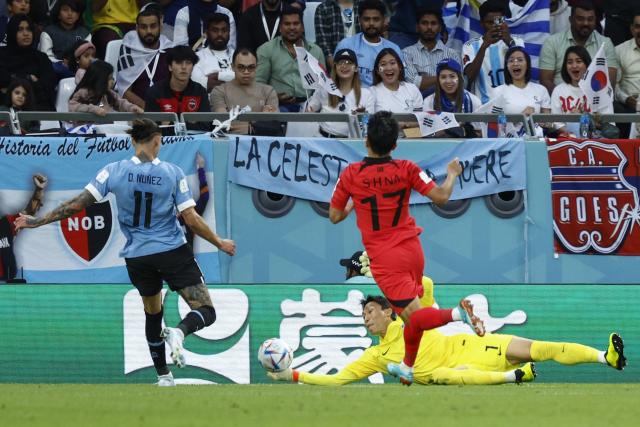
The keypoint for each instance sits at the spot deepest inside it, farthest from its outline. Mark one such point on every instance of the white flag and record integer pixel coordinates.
(433, 122)
(490, 130)
(595, 83)
(493, 106)
(312, 74)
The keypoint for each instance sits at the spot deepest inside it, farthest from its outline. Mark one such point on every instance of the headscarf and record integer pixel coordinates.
(12, 32)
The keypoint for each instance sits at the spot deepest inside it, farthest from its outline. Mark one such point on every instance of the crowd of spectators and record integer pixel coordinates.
(213, 55)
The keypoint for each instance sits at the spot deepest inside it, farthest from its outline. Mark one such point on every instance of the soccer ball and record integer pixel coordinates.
(275, 355)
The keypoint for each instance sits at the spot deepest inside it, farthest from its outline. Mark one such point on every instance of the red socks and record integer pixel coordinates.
(422, 320)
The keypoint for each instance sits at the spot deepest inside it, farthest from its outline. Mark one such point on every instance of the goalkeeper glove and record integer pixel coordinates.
(286, 375)
(366, 269)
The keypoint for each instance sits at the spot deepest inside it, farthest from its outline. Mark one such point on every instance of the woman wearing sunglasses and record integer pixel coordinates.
(354, 99)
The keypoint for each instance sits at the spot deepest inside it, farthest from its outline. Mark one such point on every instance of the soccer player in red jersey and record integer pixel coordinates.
(379, 188)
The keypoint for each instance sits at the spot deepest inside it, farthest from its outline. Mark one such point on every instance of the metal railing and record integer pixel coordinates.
(94, 118)
(352, 120)
(574, 118)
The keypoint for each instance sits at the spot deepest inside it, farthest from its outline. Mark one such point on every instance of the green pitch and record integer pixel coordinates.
(540, 405)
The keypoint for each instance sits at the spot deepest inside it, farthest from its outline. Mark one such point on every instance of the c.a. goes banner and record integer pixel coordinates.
(85, 248)
(594, 191)
(308, 168)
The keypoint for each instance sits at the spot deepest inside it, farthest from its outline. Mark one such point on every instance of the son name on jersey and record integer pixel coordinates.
(381, 181)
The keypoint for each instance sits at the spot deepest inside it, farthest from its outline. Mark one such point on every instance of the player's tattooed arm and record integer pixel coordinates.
(196, 296)
(65, 210)
(40, 182)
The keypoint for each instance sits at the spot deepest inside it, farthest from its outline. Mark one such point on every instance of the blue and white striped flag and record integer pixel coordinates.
(83, 129)
(531, 23)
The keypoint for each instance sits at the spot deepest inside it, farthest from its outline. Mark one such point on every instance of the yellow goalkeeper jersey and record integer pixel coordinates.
(438, 360)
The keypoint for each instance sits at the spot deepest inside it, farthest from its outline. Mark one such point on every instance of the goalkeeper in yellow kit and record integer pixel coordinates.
(458, 359)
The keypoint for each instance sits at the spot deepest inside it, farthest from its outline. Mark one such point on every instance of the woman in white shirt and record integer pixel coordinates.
(354, 99)
(568, 97)
(450, 95)
(520, 95)
(391, 92)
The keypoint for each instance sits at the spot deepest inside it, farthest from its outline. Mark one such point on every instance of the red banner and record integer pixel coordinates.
(594, 192)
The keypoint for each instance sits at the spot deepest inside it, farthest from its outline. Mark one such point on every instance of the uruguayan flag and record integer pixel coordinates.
(83, 129)
(531, 24)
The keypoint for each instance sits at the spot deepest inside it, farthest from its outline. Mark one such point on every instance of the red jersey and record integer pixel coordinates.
(380, 189)
(7, 258)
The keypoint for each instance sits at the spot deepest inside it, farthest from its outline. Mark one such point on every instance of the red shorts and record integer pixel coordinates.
(398, 273)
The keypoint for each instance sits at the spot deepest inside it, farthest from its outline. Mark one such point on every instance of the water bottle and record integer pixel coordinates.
(585, 125)
(364, 123)
(502, 125)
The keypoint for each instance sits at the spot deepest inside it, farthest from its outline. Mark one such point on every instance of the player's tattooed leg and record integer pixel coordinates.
(196, 296)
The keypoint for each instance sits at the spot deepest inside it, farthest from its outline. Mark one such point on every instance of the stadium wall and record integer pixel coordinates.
(95, 333)
(301, 246)
(477, 247)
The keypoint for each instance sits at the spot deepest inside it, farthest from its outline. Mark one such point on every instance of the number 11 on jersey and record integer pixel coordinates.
(148, 200)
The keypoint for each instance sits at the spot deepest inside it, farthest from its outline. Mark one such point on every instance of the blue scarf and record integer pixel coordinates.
(449, 107)
(199, 12)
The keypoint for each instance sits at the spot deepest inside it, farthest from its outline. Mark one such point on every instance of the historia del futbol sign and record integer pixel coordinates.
(594, 191)
(85, 247)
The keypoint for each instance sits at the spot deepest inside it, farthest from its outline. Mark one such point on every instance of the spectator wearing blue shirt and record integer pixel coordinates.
(148, 192)
(368, 43)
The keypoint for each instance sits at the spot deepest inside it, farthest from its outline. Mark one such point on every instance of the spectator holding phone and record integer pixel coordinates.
(483, 57)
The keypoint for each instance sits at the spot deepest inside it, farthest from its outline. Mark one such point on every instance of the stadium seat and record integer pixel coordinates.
(308, 20)
(112, 53)
(65, 89)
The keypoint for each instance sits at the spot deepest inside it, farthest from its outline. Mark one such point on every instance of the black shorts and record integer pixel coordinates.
(177, 267)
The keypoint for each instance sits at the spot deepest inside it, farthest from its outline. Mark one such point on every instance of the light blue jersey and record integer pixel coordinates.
(147, 195)
(367, 53)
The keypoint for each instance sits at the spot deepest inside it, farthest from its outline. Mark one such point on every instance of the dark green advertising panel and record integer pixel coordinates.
(95, 333)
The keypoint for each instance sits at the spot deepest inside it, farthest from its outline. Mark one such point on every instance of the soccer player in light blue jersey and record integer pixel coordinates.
(148, 191)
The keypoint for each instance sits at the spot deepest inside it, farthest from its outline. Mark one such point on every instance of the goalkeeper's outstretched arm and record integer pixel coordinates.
(355, 371)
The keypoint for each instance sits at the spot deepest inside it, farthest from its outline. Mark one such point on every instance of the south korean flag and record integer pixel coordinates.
(312, 74)
(432, 122)
(595, 83)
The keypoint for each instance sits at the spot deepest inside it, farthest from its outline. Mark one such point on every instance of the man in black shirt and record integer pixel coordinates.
(179, 94)
(261, 23)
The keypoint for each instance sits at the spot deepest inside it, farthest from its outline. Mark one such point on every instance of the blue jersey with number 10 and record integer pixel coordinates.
(147, 195)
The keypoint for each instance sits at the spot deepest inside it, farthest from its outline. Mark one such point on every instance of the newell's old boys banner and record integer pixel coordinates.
(308, 168)
(594, 191)
(85, 247)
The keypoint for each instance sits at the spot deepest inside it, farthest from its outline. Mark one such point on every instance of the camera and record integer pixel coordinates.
(498, 20)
